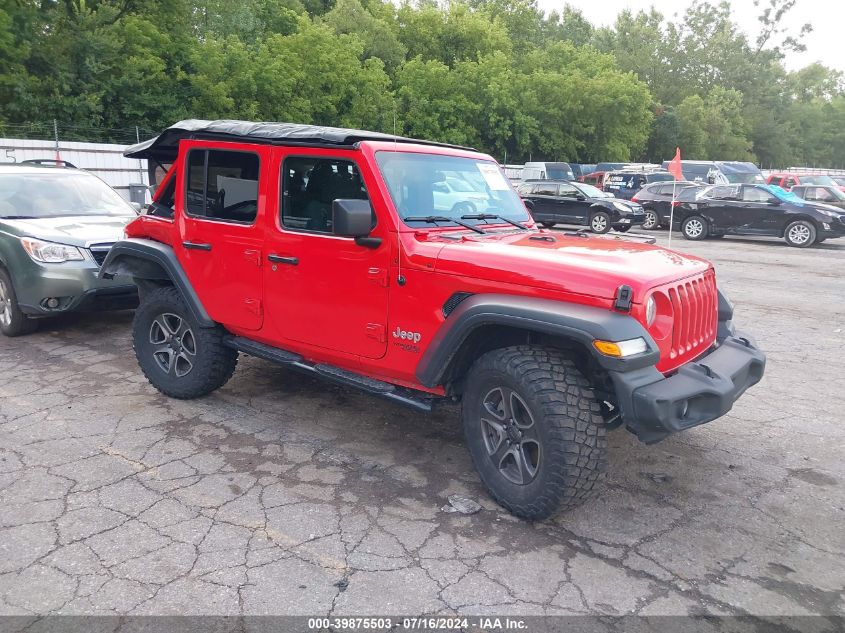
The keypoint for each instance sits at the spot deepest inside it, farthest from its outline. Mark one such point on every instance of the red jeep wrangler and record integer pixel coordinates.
(411, 270)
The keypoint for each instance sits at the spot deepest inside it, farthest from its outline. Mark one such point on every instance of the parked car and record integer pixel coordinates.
(625, 184)
(562, 202)
(547, 171)
(656, 199)
(758, 210)
(56, 226)
(823, 194)
(581, 169)
(788, 180)
(720, 172)
(547, 339)
(596, 179)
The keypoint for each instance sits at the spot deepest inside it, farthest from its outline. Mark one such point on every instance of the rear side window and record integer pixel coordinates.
(310, 185)
(222, 185)
(545, 189)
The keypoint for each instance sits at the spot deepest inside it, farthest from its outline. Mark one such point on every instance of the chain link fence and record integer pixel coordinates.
(56, 130)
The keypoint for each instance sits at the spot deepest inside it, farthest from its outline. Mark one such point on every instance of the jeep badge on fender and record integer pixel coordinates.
(518, 323)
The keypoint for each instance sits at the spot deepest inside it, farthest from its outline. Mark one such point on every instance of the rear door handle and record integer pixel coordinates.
(196, 246)
(280, 259)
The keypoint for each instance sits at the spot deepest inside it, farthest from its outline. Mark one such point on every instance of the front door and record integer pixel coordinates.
(320, 289)
(221, 230)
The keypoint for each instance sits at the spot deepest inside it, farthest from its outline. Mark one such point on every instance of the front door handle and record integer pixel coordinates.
(196, 246)
(280, 259)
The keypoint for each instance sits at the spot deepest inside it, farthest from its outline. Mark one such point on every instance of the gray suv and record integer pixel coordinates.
(56, 226)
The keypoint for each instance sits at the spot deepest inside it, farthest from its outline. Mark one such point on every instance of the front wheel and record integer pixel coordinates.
(651, 221)
(600, 222)
(13, 322)
(534, 430)
(694, 228)
(179, 358)
(800, 234)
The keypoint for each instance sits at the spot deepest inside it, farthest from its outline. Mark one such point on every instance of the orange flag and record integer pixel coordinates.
(675, 165)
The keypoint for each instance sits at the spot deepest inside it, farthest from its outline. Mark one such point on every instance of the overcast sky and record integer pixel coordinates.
(826, 44)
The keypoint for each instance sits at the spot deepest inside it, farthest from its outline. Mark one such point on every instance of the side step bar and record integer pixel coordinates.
(399, 395)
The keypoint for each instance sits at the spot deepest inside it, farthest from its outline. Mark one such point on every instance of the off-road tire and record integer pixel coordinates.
(600, 222)
(652, 221)
(212, 363)
(803, 229)
(695, 228)
(13, 322)
(572, 436)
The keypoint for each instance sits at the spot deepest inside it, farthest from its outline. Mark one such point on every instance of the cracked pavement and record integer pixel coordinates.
(280, 494)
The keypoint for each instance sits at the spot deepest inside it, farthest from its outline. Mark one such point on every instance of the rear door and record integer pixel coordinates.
(570, 208)
(720, 206)
(546, 203)
(759, 212)
(220, 199)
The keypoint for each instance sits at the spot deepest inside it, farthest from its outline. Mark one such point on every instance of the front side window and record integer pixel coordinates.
(311, 184)
(58, 193)
(413, 180)
(568, 190)
(163, 206)
(222, 185)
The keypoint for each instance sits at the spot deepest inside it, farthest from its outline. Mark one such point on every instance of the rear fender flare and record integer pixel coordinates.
(149, 260)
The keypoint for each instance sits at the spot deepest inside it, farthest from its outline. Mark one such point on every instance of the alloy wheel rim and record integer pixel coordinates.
(799, 234)
(5, 305)
(694, 228)
(599, 223)
(510, 435)
(174, 345)
(650, 220)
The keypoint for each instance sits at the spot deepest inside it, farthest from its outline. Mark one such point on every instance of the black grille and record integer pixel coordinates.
(99, 252)
(454, 301)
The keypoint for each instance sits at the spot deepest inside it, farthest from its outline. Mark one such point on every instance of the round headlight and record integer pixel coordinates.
(650, 310)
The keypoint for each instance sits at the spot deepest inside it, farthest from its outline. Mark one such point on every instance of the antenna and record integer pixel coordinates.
(400, 279)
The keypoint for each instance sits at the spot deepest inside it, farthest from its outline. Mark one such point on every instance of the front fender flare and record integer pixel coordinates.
(153, 261)
(580, 323)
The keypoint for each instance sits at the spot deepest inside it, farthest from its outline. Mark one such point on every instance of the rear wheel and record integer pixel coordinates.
(800, 234)
(694, 228)
(600, 222)
(534, 430)
(13, 322)
(178, 357)
(651, 221)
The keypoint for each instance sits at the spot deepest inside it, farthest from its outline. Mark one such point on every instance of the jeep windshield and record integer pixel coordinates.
(449, 187)
(56, 194)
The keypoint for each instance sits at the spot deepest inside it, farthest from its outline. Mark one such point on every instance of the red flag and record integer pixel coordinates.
(675, 165)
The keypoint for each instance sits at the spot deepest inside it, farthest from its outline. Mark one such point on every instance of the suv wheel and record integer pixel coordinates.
(13, 322)
(651, 222)
(600, 222)
(178, 357)
(800, 234)
(534, 430)
(694, 228)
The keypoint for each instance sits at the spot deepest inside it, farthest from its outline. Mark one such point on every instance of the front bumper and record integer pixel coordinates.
(654, 406)
(74, 285)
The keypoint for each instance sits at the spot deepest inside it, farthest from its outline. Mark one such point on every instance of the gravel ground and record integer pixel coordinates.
(280, 495)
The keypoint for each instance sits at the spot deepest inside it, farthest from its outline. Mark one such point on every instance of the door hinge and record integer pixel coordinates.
(253, 256)
(376, 331)
(253, 305)
(378, 276)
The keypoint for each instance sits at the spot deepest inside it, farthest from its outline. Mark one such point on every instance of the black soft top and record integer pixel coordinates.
(165, 146)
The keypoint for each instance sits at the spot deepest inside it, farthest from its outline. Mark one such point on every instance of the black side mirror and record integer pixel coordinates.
(580, 196)
(352, 218)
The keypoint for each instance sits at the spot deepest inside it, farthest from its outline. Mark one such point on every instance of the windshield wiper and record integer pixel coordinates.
(434, 219)
(493, 216)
